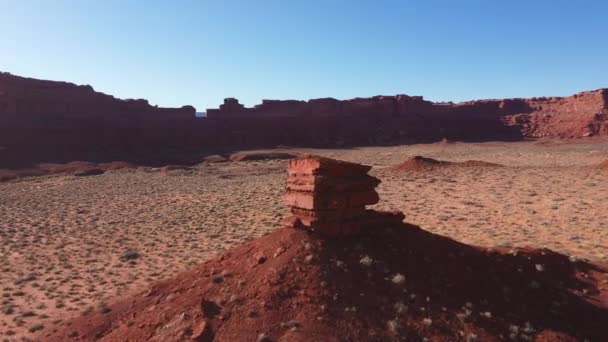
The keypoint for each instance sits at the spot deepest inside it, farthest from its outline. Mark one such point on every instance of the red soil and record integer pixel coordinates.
(424, 163)
(391, 283)
(604, 165)
(75, 167)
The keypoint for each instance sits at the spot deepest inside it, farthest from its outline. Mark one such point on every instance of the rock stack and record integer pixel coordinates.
(329, 196)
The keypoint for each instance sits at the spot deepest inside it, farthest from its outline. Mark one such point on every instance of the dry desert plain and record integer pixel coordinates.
(70, 245)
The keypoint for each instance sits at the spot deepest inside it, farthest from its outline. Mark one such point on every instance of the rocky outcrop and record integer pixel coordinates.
(581, 115)
(328, 197)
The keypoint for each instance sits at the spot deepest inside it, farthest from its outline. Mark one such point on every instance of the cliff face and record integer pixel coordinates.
(375, 120)
(52, 120)
(583, 114)
(401, 118)
(27, 101)
(47, 120)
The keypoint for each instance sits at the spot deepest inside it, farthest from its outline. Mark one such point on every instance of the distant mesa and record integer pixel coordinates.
(58, 122)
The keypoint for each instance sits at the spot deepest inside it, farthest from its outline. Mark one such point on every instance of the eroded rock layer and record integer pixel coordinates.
(329, 197)
(48, 121)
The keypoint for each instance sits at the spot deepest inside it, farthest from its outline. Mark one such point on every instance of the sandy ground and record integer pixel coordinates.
(69, 245)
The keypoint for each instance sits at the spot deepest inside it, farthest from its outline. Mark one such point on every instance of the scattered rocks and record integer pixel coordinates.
(349, 287)
(202, 332)
(260, 259)
(366, 261)
(210, 309)
(398, 279)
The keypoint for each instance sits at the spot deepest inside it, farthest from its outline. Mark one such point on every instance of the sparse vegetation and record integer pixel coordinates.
(140, 227)
(36, 327)
(130, 254)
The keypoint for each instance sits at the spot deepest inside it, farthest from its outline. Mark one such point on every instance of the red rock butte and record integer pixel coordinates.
(329, 197)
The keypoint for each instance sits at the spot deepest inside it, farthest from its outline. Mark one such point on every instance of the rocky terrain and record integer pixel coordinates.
(341, 272)
(72, 246)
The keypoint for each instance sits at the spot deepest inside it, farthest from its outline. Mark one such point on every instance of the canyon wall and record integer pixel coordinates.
(51, 121)
(405, 119)
(48, 120)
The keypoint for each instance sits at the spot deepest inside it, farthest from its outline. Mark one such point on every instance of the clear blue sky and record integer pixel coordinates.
(198, 52)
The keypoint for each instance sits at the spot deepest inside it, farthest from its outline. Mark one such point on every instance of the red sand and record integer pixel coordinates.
(75, 167)
(389, 284)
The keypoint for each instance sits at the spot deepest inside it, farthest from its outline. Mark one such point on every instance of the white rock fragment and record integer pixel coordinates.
(398, 279)
(472, 338)
(400, 307)
(393, 326)
(366, 261)
(528, 328)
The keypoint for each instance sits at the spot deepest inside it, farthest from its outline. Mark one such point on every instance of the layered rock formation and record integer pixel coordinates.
(329, 197)
(402, 118)
(47, 121)
(581, 115)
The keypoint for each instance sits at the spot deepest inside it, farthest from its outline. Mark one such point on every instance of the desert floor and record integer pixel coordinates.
(69, 245)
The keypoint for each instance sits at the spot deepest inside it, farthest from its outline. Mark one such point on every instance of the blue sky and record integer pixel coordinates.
(197, 52)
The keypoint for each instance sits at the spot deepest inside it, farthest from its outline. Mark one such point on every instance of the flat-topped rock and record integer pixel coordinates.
(329, 196)
(316, 165)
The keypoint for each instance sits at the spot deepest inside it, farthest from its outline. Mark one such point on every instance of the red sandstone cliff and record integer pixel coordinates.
(47, 120)
(390, 117)
(579, 115)
(59, 121)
